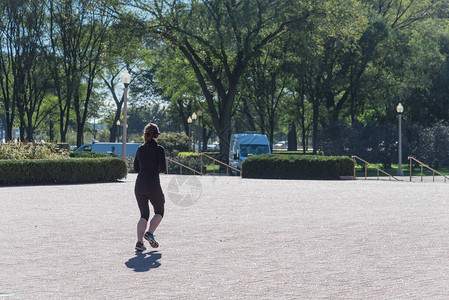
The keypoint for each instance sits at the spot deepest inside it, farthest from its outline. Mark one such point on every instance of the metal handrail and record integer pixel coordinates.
(220, 162)
(369, 164)
(181, 165)
(424, 165)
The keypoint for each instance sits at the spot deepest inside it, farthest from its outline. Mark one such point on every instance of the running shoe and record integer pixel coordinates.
(150, 238)
(140, 247)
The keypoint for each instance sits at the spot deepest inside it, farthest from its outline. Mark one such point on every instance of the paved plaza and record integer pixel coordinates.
(228, 238)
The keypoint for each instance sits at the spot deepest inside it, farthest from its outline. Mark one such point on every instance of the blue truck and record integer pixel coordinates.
(243, 145)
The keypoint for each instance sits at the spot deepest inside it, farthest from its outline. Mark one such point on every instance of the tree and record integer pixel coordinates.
(24, 79)
(177, 82)
(218, 38)
(266, 87)
(8, 55)
(124, 49)
(77, 33)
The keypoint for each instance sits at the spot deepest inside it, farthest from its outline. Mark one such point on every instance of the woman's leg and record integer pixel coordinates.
(141, 227)
(158, 202)
(154, 223)
(144, 208)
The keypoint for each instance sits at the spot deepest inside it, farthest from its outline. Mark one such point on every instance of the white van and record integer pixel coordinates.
(243, 145)
(108, 148)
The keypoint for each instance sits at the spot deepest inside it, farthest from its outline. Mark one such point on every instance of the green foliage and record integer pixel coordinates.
(44, 171)
(64, 146)
(215, 155)
(193, 162)
(19, 151)
(87, 154)
(187, 154)
(433, 147)
(297, 152)
(311, 167)
(322, 65)
(173, 143)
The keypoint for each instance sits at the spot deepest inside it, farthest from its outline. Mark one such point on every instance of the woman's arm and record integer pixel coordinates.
(162, 160)
(136, 161)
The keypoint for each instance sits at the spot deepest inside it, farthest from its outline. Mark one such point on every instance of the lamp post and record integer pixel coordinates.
(189, 120)
(118, 131)
(400, 110)
(126, 79)
(194, 117)
(200, 114)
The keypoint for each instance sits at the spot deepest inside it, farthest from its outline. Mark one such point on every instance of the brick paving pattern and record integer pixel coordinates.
(228, 238)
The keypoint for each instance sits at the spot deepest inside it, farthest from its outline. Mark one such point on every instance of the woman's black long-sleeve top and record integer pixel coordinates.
(149, 162)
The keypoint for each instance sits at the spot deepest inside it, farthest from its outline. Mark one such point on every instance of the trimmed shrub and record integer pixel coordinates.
(187, 154)
(173, 143)
(44, 171)
(296, 152)
(87, 154)
(273, 166)
(215, 155)
(64, 146)
(193, 162)
(13, 150)
(433, 148)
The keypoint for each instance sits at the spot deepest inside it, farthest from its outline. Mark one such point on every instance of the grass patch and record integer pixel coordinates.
(210, 168)
(187, 154)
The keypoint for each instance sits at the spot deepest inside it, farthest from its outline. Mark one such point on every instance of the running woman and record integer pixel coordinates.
(149, 162)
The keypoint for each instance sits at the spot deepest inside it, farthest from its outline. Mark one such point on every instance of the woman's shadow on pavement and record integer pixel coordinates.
(143, 262)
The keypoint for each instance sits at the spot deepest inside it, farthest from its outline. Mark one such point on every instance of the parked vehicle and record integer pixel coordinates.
(281, 144)
(110, 148)
(215, 146)
(244, 145)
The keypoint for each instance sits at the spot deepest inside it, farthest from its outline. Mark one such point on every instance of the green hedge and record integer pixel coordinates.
(215, 155)
(173, 143)
(87, 154)
(273, 166)
(187, 154)
(44, 171)
(295, 152)
(193, 162)
(18, 150)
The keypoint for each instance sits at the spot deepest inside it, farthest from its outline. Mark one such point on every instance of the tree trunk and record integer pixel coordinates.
(9, 125)
(30, 133)
(206, 136)
(80, 135)
(51, 132)
(271, 132)
(292, 140)
(224, 136)
(118, 112)
(315, 126)
(249, 117)
(113, 132)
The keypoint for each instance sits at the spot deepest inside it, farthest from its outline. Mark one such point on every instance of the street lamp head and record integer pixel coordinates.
(126, 77)
(189, 120)
(194, 116)
(400, 108)
(199, 113)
